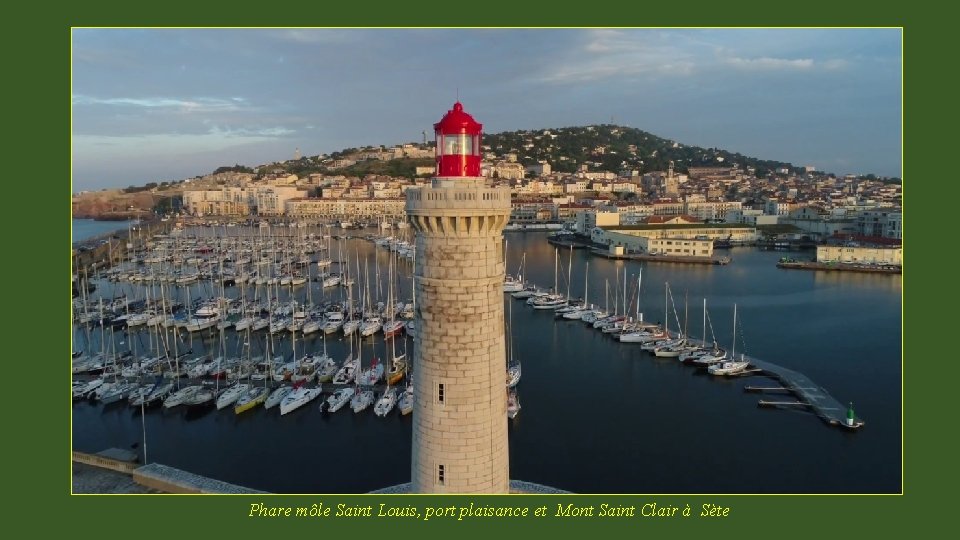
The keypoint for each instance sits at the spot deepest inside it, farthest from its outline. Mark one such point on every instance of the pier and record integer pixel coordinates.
(111, 472)
(809, 394)
(662, 258)
(841, 267)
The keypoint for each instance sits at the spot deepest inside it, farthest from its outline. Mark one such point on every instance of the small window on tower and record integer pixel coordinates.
(440, 474)
(440, 392)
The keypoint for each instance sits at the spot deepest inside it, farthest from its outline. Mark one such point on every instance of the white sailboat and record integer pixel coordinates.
(733, 366)
(277, 396)
(298, 398)
(513, 404)
(339, 398)
(513, 366)
(386, 402)
(405, 402)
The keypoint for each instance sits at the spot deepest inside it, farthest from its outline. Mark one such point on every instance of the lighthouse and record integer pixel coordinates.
(459, 366)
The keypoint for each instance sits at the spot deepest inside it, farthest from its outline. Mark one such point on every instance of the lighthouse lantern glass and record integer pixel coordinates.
(459, 144)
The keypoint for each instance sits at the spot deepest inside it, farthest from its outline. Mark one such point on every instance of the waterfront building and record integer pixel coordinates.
(671, 229)
(882, 223)
(711, 210)
(460, 413)
(853, 253)
(239, 201)
(819, 224)
(588, 219)
(339, 208)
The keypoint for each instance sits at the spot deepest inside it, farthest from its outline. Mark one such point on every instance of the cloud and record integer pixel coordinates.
(767, 63)
(308, 36)
(90, 148)
(202, 104)
(835, 64)
(604, 54)
(259, 132)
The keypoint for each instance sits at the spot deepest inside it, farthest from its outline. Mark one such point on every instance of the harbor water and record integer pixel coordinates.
(597, 415)
(85, 229)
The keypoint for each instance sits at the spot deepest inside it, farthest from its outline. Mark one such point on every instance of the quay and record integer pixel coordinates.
(809, 394)
(98, 474)
(842, 267)
(662, 258)
(114, 471)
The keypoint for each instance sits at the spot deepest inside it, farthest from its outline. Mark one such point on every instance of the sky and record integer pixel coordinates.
(151, 105)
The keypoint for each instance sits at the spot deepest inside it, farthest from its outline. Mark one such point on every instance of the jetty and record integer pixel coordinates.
(662, 258)
(809, 395)
(842, 267)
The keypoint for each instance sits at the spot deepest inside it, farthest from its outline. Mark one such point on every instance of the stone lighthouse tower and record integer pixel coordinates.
(459, 377)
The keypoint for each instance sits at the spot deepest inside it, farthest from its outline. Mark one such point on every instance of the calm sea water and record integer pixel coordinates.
(597, 416)
(83, 229)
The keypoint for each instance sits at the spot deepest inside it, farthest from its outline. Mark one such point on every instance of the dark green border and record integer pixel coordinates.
(38, 55)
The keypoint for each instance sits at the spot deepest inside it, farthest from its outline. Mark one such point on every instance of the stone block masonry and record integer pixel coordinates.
(460, 423)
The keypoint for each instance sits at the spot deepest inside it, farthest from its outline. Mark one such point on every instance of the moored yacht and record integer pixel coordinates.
(729, 368)
(361, 401)
(386, 402)
(230, 395)
(277, 396)
(254, 396)
(405, 403)
(299, 397)
(339, 399)
(348, 371)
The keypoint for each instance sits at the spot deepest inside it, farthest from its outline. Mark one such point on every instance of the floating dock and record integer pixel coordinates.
(810, 395)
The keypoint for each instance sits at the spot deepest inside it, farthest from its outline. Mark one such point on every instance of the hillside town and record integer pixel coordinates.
(709, 203)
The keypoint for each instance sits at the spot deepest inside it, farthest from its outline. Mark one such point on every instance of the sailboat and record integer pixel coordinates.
(393, 326)
(673, 348)
(277, 396)
(348, 371)
(339, 398)
(703, 357)
(513, 404)
(552, 300)
(386, 402)
(299, 397)
(512, 284)
(254, 395)
(578, 311)
(326, 365)
(405, 403)
(364, 398)
(663, 336)
(730, 367)
(513, 366)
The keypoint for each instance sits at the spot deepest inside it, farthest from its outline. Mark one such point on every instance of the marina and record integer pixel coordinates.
(127, 287)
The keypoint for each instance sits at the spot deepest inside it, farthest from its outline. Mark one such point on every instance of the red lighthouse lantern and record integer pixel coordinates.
(458, 144)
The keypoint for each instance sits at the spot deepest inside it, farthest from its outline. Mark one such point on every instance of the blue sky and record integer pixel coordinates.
(153, 105)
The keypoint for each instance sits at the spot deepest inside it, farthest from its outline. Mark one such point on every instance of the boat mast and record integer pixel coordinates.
(666, 308)
(624, 298)
(733, 351)
(556, 268)
(510, 333)
(704, 334)
(586, 273)
(606, 291)
(639, 278)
